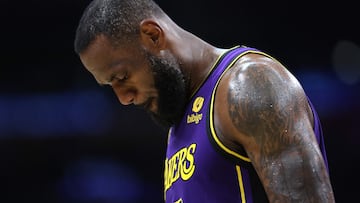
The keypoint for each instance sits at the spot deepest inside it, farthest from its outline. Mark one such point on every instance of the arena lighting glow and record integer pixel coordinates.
(89, 112)
(346, 61)
(327, 92)
(100, 180)
(83, 112)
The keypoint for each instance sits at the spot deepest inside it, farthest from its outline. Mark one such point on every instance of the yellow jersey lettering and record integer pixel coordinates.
(166, 172)
(180, 165)
(194, 118)
(177, 164)
(187, 171)
(179, 201)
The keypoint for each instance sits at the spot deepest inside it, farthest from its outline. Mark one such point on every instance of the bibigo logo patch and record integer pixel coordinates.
(197, 106)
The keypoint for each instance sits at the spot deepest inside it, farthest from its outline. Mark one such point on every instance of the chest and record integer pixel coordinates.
(193, 167)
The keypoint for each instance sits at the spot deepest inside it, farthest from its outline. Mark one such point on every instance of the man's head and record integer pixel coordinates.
(119, 20)
(121, 45)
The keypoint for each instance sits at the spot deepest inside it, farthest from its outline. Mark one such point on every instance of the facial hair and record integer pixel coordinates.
(172, 87)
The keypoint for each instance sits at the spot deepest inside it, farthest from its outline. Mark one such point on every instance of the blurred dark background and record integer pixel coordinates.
(64, 139)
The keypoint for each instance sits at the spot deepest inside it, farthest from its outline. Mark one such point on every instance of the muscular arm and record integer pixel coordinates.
(270, 117)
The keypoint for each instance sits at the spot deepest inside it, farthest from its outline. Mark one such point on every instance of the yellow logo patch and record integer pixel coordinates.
(197, 106)
(198, 103)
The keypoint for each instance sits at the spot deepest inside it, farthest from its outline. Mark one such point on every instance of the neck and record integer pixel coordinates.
(197, 58)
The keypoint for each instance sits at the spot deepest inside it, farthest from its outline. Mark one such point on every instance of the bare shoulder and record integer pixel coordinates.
(258, 90)
(262, 107)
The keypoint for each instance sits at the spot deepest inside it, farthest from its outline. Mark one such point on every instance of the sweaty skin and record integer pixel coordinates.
(259, 105)
(267, 112)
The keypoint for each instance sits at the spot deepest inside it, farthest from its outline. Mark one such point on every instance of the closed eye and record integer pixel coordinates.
(117, 78)
(122, 78)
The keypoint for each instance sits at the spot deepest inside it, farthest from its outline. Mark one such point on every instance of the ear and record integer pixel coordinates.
(152, 35)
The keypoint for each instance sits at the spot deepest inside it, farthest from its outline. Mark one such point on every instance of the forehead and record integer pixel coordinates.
(98, 52)
(102, 54)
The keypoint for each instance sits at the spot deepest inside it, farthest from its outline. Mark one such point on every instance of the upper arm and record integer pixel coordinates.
(268, 114)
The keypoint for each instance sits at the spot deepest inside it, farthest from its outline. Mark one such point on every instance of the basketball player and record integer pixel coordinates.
(241, 128)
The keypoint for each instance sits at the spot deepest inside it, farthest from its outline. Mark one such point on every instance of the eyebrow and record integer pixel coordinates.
(107, 81)
(112, 77)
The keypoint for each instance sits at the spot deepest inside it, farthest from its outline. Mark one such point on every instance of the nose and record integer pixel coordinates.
(126, 96)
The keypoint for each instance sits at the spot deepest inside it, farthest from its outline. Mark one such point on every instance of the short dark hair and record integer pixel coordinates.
(116, 19)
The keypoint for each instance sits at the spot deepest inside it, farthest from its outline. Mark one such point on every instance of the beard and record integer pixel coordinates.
(172, 87)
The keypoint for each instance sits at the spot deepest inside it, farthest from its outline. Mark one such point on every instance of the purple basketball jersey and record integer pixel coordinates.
(198, 168)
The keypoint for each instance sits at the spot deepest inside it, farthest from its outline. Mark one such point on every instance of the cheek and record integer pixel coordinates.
(145, 85)
(147, 79)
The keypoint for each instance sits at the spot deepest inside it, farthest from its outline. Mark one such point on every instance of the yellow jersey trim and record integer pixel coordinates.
(212, 128)
(168, 135)
(241, 184)
(211, 69)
